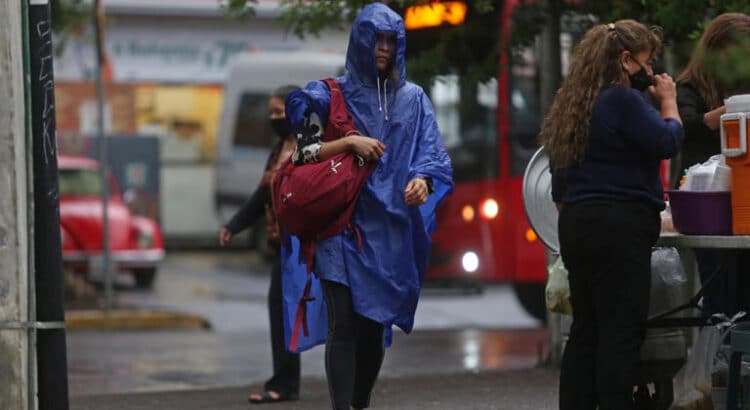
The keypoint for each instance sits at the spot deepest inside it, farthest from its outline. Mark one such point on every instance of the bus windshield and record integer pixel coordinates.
(524, 108)
(466, 115)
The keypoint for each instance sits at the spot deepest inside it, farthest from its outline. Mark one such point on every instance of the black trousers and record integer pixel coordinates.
(354, 350)
(606, 247)
(286, 366)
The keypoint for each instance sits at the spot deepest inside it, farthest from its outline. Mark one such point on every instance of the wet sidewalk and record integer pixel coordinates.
(505, 390)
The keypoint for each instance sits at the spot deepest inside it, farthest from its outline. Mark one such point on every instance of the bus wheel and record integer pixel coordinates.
(531, 297)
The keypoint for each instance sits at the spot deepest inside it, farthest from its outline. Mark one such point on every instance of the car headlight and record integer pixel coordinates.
(145, 240)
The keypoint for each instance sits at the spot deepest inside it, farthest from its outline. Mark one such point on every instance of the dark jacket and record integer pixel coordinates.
(701, 142)
(259, 202)
(627, 141)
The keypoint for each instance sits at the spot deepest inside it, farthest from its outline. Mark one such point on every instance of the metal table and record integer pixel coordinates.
(730, 244)
(704, 241)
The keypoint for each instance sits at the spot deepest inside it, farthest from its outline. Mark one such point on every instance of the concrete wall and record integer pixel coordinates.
(13, 211)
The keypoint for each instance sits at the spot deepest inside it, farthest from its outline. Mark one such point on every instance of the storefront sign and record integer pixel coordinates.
(179, 54)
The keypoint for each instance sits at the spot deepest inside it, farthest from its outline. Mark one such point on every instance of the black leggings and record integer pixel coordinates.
(286, 366)
(354, 350)
(606, 247)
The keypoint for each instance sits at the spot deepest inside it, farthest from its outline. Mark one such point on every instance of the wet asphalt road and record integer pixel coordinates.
(455, 333)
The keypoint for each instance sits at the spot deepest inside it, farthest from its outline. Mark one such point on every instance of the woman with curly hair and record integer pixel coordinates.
(605, 143)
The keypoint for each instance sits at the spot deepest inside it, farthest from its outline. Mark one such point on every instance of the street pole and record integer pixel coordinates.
(14, 239)
(550, 78)
(550, 63)
(99, 36)
(49, 323)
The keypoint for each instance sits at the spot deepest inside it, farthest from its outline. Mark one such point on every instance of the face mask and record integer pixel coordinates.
(640, 80)
(280, 127)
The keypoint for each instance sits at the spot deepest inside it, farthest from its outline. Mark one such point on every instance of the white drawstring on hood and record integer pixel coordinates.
(385, 97)
(380, 103)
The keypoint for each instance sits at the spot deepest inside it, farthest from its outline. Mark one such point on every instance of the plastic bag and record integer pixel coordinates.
(712, 175)
(667, 225)
(557, 291)
(667, 279)
(692, 384)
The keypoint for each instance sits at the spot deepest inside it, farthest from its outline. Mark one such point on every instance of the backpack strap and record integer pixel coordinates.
(340, 122)
(300, 319)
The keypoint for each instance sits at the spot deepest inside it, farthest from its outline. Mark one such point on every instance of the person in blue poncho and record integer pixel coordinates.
(370, 287)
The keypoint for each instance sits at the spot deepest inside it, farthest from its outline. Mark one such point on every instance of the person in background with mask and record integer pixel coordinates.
(605, 144)
(285, 383)
(700, 99)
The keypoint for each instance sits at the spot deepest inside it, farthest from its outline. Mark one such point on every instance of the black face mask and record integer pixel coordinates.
(640, 80)
(280, 127)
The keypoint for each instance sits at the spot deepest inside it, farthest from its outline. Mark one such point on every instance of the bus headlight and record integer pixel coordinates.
(489, 209)
(470, 262)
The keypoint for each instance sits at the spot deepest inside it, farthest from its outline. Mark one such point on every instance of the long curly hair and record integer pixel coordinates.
(595, 65)
(725, 30)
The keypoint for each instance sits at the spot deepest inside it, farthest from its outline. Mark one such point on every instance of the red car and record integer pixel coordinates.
(135, 242)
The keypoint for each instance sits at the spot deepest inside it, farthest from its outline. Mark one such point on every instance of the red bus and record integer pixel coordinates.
(490, 130)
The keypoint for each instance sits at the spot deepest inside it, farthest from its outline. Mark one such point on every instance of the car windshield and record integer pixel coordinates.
(80, 182)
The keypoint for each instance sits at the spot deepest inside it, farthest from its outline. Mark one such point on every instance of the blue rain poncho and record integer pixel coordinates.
(385, 276)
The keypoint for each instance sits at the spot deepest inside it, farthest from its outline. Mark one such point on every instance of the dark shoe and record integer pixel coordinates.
(266, 397)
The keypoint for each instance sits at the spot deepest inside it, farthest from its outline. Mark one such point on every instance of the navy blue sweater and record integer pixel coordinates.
(627, 140)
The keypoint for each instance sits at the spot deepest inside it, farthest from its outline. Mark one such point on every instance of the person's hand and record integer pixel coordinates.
(416, 192)
(224, 236)
(712, 119)
(664, 88)
(368, 148)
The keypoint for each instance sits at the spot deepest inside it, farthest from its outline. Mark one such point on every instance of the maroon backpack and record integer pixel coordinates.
(316, 201)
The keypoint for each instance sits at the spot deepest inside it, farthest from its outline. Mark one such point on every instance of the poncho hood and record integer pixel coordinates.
(360, 56)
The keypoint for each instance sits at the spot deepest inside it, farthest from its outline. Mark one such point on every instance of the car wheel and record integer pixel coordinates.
(144, 278)
(531, 297)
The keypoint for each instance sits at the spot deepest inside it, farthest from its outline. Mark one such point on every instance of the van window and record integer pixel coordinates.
(252, 128)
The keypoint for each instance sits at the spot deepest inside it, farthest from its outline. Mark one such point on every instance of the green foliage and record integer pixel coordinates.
(69, 14)
(470, 50)
(240, 8)
(68, 17)
(311, 17)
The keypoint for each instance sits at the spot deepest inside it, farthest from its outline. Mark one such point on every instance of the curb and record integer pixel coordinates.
(133, 320)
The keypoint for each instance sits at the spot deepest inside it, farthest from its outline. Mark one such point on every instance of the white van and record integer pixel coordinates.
(245, 136)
